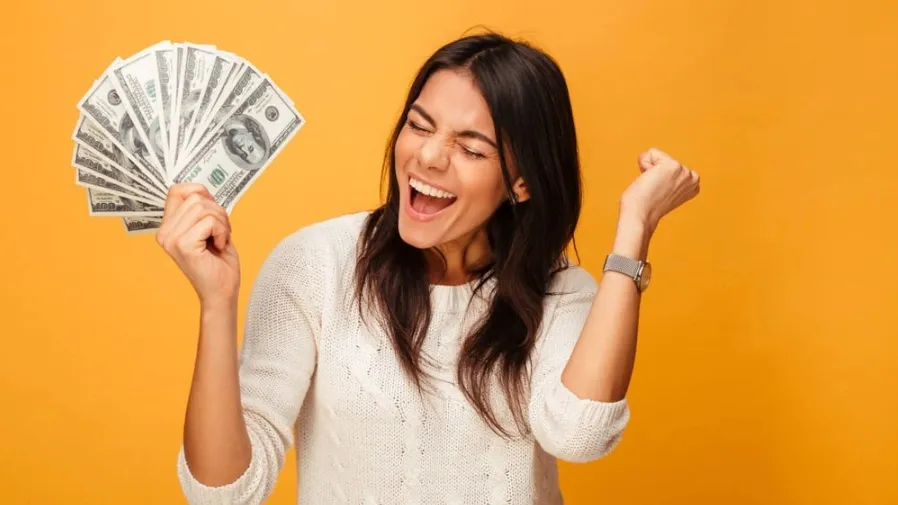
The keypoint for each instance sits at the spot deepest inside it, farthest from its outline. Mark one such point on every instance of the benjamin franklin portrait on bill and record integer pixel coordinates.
(245, 142)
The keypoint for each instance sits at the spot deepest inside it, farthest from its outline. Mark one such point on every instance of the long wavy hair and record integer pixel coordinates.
(528, 99)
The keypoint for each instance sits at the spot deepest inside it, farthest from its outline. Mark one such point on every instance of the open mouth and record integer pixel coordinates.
(428, 200)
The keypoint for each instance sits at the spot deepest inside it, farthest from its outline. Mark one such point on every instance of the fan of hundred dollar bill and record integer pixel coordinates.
(175, 113)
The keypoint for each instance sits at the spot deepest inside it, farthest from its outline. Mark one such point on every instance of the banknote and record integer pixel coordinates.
(214, 92)
(243, 83)
(227, 84)
(249, 138)
(137, 225)
(176, 112)
(174, 118)
(137, 82)
(87, 179)
(90, 135)
(197, 66)
(93, 163)
(211, 88)
(102, 203)
(164, 57)
(103, 104)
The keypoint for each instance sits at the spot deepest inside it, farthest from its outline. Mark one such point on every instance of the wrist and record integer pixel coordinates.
(633, 236)
(218, 306)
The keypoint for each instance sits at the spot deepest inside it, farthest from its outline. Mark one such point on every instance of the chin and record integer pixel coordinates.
(414, 237)
(419, 235)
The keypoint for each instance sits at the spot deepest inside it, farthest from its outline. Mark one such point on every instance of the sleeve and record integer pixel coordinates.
(276, 363)
(566, 426)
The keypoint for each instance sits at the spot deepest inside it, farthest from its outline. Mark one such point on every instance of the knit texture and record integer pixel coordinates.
(312, 372)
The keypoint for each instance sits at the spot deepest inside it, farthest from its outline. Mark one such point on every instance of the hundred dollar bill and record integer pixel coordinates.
(101, 203)
(89, 134)
(86, 158)
(136, 225)
(198, 63)
(211, 88)
(137, 82)
(165, 67)
(211, 100)
(248, 79)
(207, 110)
(245, 144)
(103, 104)
(174, 118)
(89, 180)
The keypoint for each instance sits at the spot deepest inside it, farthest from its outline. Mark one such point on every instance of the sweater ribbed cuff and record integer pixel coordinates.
(198, 493)
(585, 412)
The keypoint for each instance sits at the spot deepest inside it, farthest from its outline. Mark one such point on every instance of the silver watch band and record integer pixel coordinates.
(622, 264)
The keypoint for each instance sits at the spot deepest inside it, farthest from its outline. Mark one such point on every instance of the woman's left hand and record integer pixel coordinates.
(663, 185)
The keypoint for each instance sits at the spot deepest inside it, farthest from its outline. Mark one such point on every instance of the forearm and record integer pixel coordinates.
(601, 363)
(216, 443)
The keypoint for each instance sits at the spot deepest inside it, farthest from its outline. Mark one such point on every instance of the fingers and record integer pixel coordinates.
(186, 207)
(689, 184)
(655, 157)
(194, 209)
(645, 162)
(192, 231)
(208, 226)
(174, 216)
(179, 193)
(652, 158)
(183, 198)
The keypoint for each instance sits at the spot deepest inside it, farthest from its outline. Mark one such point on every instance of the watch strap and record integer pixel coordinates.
(622, 264)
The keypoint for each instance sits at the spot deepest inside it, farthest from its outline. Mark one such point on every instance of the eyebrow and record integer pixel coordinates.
(465, 133)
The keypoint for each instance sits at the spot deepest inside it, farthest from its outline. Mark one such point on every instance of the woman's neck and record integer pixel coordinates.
(455, 263)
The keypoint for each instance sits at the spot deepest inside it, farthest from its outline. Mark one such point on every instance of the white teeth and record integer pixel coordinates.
(427, 189)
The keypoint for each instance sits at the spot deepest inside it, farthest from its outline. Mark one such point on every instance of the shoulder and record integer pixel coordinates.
(571, 280)
(341, 232)
(311, 264)
(571, 290)
(332, 239)
(568, 301)
(318, 254)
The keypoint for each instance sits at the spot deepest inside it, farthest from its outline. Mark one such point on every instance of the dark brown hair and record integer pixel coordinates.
(529, 102)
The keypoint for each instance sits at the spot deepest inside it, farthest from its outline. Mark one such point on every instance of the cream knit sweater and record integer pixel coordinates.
(310, 369)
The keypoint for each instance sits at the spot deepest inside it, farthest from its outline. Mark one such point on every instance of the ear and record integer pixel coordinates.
(521, 193)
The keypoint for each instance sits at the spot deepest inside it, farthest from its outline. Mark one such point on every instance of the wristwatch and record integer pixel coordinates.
(640, 271)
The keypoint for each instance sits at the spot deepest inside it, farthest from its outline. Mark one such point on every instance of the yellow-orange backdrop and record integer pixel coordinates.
(769, 335)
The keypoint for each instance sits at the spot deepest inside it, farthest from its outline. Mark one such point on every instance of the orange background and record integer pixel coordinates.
(769, 336)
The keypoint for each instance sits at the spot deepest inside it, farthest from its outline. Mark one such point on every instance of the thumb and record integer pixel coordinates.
(211, 227)
(652, 158)
(645, 161)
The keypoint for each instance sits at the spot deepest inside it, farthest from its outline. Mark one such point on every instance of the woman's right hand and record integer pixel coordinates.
(196, 233)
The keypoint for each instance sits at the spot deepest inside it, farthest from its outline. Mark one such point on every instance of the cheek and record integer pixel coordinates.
(405, 149)
(483, 185)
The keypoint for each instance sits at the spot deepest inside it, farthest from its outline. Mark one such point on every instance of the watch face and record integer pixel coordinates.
(646, 277)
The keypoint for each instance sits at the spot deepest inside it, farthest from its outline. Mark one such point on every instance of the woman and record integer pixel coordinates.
(439, 349)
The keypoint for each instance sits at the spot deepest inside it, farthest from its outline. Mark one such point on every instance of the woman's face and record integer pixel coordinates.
(447, 164)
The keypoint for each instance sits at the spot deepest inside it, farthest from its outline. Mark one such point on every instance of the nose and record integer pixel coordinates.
(434, 153)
